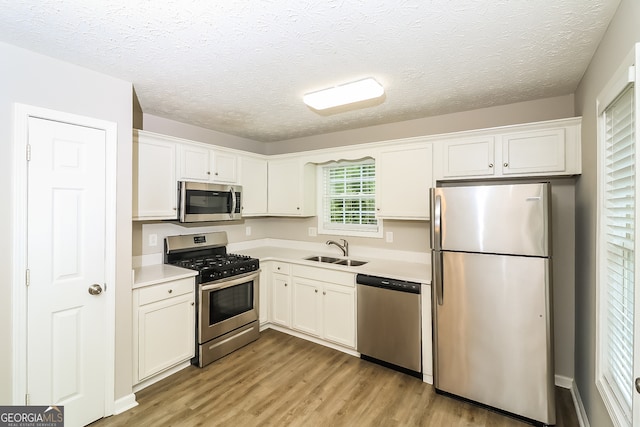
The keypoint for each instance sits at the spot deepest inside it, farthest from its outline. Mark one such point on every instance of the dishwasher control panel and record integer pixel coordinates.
(386, 283)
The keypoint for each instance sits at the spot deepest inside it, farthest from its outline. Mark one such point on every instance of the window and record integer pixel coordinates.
(348, 205)
(617, 252)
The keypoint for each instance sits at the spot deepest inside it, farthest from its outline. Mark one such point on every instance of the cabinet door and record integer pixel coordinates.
(165, 334)
(224, 167)
(403, 181)
(534, 152)
(468, 157)
(155, 190)
(291, 188)
(306, 306)
(253, 178)
(283, 188)
(338, 314)
(264, 292)
(280, 300)
(195, 163)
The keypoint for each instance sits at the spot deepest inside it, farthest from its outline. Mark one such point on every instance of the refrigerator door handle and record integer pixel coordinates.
(436, 205)
(437, 277)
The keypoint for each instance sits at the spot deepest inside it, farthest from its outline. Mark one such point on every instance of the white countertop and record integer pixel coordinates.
(159, 273)
(402, 270)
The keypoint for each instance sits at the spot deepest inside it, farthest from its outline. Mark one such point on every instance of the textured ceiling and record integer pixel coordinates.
(242, 66)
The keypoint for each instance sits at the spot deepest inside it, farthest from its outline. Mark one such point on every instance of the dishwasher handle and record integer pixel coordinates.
(387, 283)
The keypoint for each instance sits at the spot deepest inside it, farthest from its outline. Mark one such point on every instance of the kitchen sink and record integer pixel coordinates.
(337, 261)
(350, 262)
(319, 258)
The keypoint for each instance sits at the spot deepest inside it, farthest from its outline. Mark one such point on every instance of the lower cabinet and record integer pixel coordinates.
(324, 308)
(280, 294)
(164, 326)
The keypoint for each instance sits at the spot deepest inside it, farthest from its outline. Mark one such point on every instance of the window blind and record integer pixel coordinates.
(349, 197)
(619, 212)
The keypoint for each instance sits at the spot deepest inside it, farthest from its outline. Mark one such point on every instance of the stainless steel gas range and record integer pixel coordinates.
(227, 293)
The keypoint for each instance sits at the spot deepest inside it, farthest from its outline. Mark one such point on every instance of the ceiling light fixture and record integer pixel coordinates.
(347, 93)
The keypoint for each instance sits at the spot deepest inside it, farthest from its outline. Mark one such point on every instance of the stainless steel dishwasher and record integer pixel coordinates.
(389, 322)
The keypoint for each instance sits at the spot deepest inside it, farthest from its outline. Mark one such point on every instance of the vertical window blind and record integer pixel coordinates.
(349, 197)
(619, 227)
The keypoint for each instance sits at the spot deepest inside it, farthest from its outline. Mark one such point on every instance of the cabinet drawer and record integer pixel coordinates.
(324, 275)
(280, 267)
(165, 290)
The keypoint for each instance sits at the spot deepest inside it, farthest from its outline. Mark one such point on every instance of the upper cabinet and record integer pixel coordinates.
(155, 191)
(253, 178)
(538, 149)
(468, 157)
(201, 163)
(403, 178)
(292, 187)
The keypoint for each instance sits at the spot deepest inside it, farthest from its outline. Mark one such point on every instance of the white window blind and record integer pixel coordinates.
(349, 197)
(619, 235)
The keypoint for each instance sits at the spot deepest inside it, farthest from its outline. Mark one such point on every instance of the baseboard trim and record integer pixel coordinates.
(570, 384)
(580, 411)
(124, 404)
(564, 382)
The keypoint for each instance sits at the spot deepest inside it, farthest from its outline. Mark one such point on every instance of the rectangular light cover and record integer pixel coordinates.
(347, 93)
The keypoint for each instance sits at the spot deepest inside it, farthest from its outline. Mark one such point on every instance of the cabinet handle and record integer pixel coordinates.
(216, 174)
(324, 292)
(208, 173)
(285, 285)
(193, 303)
(170, 291)
(506, 165)
(316, 291)
(490, 165)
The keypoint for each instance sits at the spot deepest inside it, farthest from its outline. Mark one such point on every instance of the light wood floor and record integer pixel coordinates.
(280, 380)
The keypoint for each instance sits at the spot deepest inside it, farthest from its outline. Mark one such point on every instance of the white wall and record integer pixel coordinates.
(37, 80)
(622, 34)
(559, 107)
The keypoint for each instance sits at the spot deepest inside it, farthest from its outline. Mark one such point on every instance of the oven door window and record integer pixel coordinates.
(201, 202)
(230, 302)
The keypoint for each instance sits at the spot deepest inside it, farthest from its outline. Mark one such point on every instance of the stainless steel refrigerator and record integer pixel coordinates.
(492, 305)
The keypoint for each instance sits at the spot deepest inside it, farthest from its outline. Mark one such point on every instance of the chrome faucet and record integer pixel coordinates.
(344, 246)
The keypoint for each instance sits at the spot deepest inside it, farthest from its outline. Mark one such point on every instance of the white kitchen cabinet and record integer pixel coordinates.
(164, 326)
(468, 157)
(324, 304)
(403, 179)
(253, 178)
(280, 294)
(534, 152)
(307, 306)
(536, 149)
(155, 191)
(265, 292)
(291, 188)
(201, 163)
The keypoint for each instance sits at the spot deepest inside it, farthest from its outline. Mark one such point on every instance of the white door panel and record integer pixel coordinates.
(66, 326)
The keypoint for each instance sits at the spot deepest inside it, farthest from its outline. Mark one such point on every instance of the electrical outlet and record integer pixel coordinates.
(389, 236)
(247, 231)
(313, 231)
(153, 240)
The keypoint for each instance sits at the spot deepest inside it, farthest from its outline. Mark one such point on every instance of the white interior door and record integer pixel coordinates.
(66, 327)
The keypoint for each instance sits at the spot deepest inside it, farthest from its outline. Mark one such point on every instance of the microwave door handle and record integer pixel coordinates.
(233, 202)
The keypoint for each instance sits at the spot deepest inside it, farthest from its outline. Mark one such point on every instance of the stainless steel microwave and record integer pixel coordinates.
(200, 201)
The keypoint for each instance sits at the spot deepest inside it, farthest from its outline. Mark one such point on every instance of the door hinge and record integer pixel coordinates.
(27, 277)
(28, 152)
(26, 399)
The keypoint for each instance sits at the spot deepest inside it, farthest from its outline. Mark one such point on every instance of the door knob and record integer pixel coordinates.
(95, 289)
(638, 385)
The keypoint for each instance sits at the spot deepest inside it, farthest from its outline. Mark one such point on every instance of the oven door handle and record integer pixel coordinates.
(235, 280)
